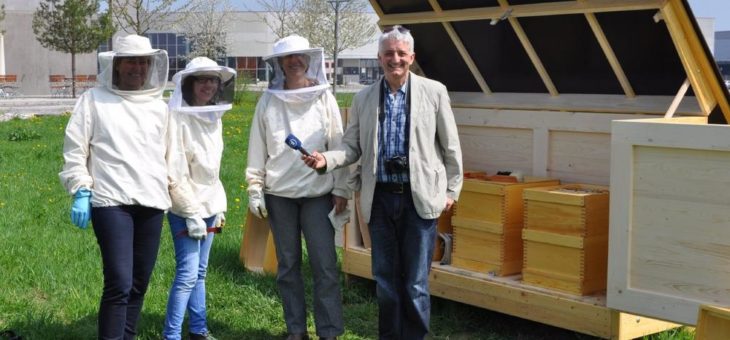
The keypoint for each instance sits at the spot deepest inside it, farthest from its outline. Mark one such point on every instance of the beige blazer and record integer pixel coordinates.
(434, 155)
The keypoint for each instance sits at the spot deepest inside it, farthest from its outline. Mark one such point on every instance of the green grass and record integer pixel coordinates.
(50, 271)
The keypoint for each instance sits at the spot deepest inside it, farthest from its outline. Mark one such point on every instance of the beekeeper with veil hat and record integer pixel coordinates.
(295, 198)
(115, 167)
(203, 92)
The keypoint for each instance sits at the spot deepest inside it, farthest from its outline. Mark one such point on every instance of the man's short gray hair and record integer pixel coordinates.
(397, 33)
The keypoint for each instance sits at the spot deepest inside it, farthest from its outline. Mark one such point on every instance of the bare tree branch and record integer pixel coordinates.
(315, 20)
(140, 16)
(206, 29)
(278, 15)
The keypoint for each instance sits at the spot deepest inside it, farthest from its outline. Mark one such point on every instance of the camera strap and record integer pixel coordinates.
(381, 112)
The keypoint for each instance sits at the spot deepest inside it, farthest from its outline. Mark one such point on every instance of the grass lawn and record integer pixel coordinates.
(50, 271)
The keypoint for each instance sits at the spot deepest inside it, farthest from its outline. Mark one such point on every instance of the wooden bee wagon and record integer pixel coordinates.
(554, 89)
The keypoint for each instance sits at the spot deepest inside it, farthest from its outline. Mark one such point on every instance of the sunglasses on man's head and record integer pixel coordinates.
(398, 27)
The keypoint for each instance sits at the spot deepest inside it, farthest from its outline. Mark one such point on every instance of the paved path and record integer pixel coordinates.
(26, 107)
(30, 106)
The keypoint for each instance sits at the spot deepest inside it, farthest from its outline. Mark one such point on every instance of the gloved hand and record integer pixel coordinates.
(256, 203)
(220, 220)
(196, 227)
(81, 208)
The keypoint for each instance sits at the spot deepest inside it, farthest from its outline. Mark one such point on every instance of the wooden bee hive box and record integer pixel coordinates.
(713, 323)
(487, 225)
(566, 237)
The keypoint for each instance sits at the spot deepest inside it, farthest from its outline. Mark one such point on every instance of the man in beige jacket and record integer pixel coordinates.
(403, 132)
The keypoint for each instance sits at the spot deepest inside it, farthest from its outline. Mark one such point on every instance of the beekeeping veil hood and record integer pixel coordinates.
(129, 47)
(295, 44)
(203, 67)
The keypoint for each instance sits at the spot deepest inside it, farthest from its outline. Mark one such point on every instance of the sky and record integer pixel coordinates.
(718, 9)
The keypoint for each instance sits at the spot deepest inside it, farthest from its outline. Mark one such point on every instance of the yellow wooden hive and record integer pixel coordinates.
(258, 253)
(487, 224)
(566, 237)
(713, 323)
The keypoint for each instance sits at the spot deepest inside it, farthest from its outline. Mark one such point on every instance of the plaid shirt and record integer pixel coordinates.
(393, 139)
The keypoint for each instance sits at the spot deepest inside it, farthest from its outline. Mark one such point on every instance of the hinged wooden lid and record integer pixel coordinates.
(617, 50)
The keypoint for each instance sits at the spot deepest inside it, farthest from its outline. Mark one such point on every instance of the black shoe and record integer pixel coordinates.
(207, 336)
(327, 338)
(304, 336)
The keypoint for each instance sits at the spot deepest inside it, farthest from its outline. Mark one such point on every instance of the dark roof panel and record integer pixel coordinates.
(527, 2)
(439, 59)
(404, 6)
(461, 4)
(499, 56)
(571, 54)
(646, 51)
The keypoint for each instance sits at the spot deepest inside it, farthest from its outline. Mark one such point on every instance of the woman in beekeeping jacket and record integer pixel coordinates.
(295, 198)
(203, 92)
(114, 165)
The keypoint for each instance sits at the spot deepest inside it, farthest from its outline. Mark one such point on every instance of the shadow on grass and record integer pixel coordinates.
(225, 262)
(148, 327)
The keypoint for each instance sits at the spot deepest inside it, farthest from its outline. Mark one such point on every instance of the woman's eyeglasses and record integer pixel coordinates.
(400, 29)
(203, 80)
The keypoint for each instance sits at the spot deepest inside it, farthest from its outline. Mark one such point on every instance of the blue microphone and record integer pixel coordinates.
(294, 143)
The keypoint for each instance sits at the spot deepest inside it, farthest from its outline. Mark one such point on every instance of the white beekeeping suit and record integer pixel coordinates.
(116, 140)
(310, 113)
(197, 142)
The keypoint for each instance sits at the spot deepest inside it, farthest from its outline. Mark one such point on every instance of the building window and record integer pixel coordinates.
(177, 47)
(250, 69)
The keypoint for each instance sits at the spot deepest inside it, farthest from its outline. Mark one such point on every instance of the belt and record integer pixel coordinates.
(393, 188)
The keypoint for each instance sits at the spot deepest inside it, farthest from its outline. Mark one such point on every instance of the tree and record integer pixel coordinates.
(2, 17)
(206, 29)
(279, 16)
(139, 16)
(71, 26)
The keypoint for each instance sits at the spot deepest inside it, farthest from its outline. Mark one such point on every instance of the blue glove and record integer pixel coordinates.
(81, 208)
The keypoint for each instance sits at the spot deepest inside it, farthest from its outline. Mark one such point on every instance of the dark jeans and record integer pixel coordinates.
(129, 237)
(290, 218)
(402, 248)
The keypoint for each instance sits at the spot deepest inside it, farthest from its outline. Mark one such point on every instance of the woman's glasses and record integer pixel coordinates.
(400, 29)
(203, 80)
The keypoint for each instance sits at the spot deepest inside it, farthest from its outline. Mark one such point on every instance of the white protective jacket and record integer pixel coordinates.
(194, 165)
(278, 169)
(116, 141)
(196, 146)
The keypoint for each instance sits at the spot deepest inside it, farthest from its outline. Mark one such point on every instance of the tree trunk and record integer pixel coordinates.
(73, 74)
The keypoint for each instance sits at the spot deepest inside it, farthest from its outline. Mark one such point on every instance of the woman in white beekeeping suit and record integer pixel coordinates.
(295, 198)
(203, 92)
(114, 165)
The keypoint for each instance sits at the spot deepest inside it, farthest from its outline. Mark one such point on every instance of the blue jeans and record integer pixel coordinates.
(128, 237)
(402, 248)
(188, 288)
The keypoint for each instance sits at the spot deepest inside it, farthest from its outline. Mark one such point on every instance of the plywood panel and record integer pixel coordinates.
(493, 149)
(580, 157)
(575, 102)
(682, 246)
(258, 253)
(669, 236)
